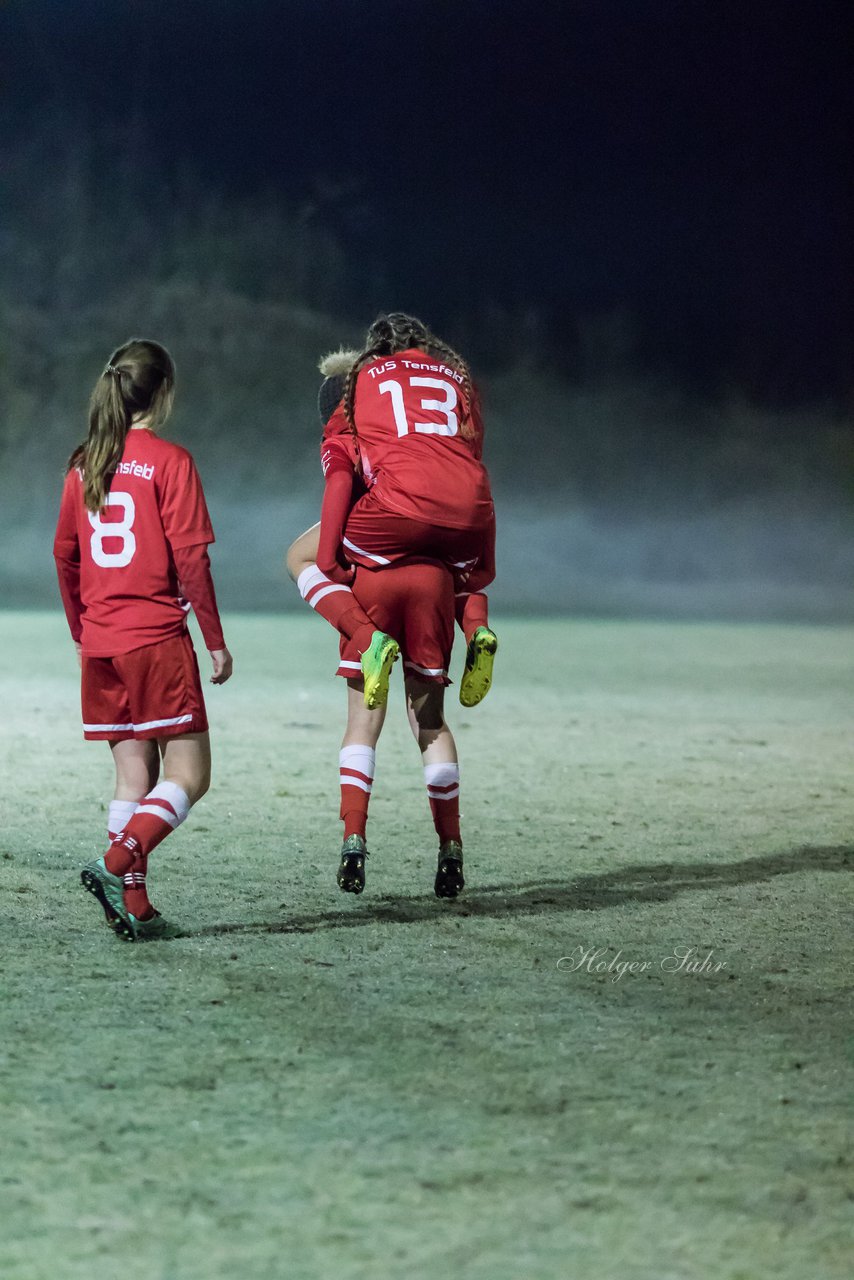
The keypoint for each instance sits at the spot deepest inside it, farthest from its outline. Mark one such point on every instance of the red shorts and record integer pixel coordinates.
(414, 602)
(375, 537)
(153, 692)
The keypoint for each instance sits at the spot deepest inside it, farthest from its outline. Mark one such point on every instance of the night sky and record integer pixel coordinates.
(686, 162)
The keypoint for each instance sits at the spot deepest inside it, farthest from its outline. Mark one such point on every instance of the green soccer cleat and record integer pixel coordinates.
(449, 873)
(109, 890)
(351, 872)
(477, 676)
(377, 662)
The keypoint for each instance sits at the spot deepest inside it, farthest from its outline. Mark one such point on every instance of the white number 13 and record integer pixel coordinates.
(449, 427)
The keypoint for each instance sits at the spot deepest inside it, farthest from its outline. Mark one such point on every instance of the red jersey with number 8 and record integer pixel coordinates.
(128, 581)
(409, 410)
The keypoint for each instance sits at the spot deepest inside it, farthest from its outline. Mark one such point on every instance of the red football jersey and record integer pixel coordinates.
(409, 409)
(128, 582)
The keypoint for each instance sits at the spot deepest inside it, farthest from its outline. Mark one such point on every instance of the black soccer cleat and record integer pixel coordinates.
(351, 871)
(449, 873)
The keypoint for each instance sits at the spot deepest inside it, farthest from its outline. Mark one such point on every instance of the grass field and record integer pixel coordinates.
(308, 1085)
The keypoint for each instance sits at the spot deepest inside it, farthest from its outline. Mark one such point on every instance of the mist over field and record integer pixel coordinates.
(600, 510)
(620, 490)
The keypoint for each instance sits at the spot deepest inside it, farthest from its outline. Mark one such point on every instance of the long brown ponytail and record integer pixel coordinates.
(139, 380)
(398, 331)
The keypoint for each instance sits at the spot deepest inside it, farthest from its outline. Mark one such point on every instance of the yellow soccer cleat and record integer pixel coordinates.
(477, 676)
(377, 662)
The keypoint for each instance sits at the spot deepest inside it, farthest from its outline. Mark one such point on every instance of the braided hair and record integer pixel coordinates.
(397, 331)
(139, 380)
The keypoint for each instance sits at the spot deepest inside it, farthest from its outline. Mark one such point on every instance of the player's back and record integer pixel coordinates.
(128, 581)
(409, 410)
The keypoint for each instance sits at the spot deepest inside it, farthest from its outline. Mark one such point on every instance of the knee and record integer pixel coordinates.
(428, 713)
(201, 786)
(428, 720)
(194, 783)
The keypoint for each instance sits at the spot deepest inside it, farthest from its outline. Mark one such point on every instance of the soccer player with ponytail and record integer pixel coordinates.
(131, 555)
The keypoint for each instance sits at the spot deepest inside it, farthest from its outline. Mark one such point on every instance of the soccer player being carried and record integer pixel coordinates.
(402, 459)
(407, 510)
(131, 555)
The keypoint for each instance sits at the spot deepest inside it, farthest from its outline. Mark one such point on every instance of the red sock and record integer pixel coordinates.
(362, 635)
(471, 611)
(135, 893)
(334, 602)
(356, 764)
(443, 791)
(160, 812)
(120, 814)
(118, 860)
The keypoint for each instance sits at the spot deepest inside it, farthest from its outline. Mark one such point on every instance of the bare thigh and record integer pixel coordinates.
(303, 551)
(187, 763)
(137, 765)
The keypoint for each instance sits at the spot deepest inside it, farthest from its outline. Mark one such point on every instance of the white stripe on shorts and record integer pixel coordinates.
(126, 728)
(163, 724)
(367, 554)
(426, 671)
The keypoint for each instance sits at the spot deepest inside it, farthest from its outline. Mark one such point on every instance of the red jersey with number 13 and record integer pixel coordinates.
(128, 581)
(409, 409)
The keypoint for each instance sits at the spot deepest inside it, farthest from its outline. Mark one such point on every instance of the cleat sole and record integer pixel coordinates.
(477, 676)
(121, 927)
(449, 878)
(351, 879)
(351, 869)
(377, 662)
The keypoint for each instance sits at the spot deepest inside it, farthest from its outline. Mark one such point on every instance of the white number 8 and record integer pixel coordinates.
(122, 529)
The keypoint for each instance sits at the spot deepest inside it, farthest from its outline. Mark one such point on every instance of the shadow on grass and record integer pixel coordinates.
(658, 882)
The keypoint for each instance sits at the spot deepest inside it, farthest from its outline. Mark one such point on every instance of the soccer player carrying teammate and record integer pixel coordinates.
(401, 455)
(405, 542)
(414, 601)
(131, 552)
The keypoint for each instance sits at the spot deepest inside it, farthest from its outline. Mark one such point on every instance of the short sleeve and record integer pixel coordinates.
(183, 509)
